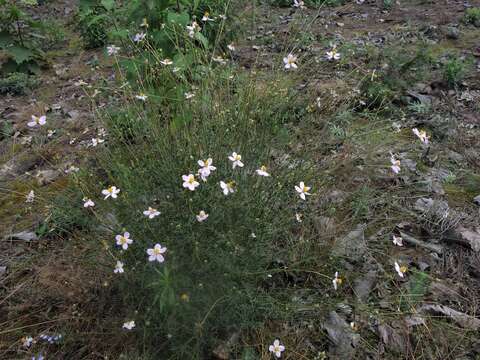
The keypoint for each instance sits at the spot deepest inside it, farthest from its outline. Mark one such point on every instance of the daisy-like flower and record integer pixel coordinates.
(129, 325)
(112, 50)
(422, 135)
(337, 281)
(401, 270)
(124, 240)
(192, 29)
(262, 171)
(395, 164)
(299, 4)
(155, 253)
(96, 141)
(206, 168)
(397, 240)
(27, 341)
(88, 203)
(236, 160)
(72, 169)
(42, 120)
(189, 95)
(50, 133)
(189, 182)
(118, 268)
(290, 62)
(144, 23)
(111, 191)
(298, 217)
(206, 17)
(219, 59)
(139, 37)
(227, 187)
(151, 212)
(276, 348)
(30, 197)
(333, 55)
(302, 190)
(231, 47)
(166, 62)
(141, 97)
(202, 216)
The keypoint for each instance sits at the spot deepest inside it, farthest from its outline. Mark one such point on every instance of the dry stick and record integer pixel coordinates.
(432, 247)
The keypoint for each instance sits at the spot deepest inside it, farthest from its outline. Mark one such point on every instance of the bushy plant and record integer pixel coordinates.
(472, 16)
(453, 71)
(17, 83)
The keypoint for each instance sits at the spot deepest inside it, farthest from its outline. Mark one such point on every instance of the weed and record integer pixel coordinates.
(17, 83)
(453, 71)
(472, 16)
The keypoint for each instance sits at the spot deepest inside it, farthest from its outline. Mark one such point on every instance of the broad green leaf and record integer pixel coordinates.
(20, 54)
(181, 19)
(199, 36)
(108, 4)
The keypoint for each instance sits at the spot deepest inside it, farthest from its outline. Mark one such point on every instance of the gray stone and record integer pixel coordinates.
(45, 177)
(353, 246)
(23, 235)
(452, 33)
(363, 285)
(344, 339)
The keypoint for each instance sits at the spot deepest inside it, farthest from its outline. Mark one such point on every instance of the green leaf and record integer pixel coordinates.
(5, 39)
(20, 54)
(108, 4)
(199, 36)
(181, 19)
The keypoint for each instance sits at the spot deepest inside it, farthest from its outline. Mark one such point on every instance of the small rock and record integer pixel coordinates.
(45, 177)
(353, 246)
(363, 286)
(344, 339)
(23, 235)
(324, 225)
(452, 33)
(476, 200)
(467, 237)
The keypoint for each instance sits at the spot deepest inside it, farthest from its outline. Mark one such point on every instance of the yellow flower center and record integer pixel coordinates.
(231, 184)
(191, 179)
(123, 240)
(206, 14)
(110, 189)
(305, 189)
(156, 251)
(263, 168)
(403, 269)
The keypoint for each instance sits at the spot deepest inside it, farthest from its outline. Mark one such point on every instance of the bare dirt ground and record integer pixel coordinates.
(46, 286)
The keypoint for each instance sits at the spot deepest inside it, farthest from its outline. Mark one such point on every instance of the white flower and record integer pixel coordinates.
(144, 23)
(395, 164)
(299, 4)
(124, 240)
(227, 188)
(422, 135)
(276, 348)
(112, 50)
(206, 168)
(262, 171)
(219, 59)
(42, 120)
(231, 47)
(155, 253)
(202, 216)
(118, 268)
(298, 217)
(88, 203)
(222, 16)
(141, 97)
(290, 61)
(151, 212)
(189, 95)
(139, 37)
(401, 270)
(112, 191)
(96, 141)
(206, 17)
(50, 133)
(192, 29)
(236, 160)
(302, 190)
(72, 169)
(189, 182)
(166, 62)
(333, 54)
(397, 240)
(129, 325)
(337, 281)
(30, 197)
(27, 341)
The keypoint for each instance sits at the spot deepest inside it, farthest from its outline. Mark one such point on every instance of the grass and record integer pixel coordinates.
(251, 272)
